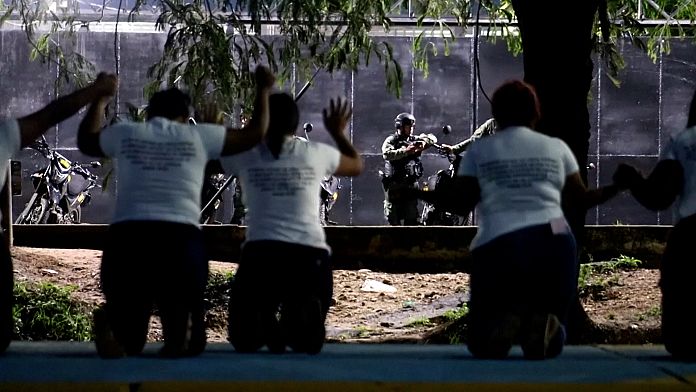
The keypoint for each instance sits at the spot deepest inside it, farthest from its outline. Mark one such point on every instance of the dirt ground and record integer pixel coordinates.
(412, 306)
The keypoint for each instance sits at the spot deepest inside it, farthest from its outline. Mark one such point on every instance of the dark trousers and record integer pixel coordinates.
(272, 276)
(402, 211)
(147, 264)
(677, 274)
(523, 273)
(6, 296)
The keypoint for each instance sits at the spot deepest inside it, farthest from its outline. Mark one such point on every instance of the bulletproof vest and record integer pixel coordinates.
(408, 168)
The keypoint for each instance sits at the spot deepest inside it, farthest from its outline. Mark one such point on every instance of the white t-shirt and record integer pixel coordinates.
(282, 195)
(682, 147)
(10, 136)
(521, 174)
(160, 165)
(11, 139)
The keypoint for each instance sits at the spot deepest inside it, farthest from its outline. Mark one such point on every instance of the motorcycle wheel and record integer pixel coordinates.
(37, 213)
(428, 214)
(323, 214)
(73, 217)
(22, 218)
(68, 218)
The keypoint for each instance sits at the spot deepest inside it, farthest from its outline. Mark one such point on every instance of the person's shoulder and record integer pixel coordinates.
(683, 134)
(122, 126)
(323, 145)
(390, 138)
(8, 125)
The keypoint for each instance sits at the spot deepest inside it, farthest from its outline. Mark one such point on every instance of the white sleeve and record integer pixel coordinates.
(570, 164)
(668, 152)
(467, 166)
(230, 163)
(329, 156)
(111, 136)
(10, 134)
(213, 138)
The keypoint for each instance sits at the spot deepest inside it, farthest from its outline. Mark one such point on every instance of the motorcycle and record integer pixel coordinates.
(61, 189)
(328, 194)
(433, 215)
(214, 183)
(437, 216)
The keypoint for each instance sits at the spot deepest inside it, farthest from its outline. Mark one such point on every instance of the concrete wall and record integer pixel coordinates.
(630, 123)
(395, 249)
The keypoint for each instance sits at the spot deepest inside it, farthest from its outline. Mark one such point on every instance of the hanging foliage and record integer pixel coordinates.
(213, 45)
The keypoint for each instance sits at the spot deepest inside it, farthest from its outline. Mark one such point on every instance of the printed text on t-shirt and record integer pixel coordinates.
(282, 181)
(159, 156)
(518, 173)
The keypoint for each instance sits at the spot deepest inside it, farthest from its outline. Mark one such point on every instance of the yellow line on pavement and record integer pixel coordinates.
(664, 384)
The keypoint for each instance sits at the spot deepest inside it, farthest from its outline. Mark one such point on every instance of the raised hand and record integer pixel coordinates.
(337, 117)
(626, 176)
(415, 147)
(107, 84)
(264, 77)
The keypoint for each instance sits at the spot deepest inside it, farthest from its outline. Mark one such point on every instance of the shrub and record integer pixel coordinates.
(48, 312)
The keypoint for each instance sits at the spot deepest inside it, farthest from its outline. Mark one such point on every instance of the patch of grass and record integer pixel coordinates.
(653, 312)
(362, 332)
(420, 322)
(217, 291)
(217, 298)
(456, 314)
(48, 312)
(626, 262)
(595, 277)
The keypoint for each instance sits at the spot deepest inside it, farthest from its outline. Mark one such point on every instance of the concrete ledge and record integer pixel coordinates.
(70, 366)
(384, 248)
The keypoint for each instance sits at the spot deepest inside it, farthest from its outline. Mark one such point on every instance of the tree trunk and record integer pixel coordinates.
(557, 50)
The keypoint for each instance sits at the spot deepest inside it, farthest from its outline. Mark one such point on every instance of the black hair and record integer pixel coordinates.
(171, 103)
(515, 103)
(284, 119)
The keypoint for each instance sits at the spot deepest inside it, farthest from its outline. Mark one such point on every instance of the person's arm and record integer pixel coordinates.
(659, 190)
(390, 153)
(35, 124)
(252, 133)
(335, 121)
(486, 129)
(90, 129)
(459, 147)
(576, 193)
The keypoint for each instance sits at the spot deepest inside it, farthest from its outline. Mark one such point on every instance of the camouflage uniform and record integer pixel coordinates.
(401, 171)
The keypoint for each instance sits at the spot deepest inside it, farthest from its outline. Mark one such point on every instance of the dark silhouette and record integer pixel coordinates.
(673, 182)
(524, 265)
(285, 267)
(154, 253)
(17, 134)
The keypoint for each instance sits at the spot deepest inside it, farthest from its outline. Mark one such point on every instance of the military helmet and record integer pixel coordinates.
(404, 119)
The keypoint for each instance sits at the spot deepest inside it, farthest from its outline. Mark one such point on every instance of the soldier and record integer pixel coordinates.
(402, 169)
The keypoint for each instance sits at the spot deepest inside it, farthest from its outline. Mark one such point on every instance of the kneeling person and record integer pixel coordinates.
(154, 252)
(285, 265)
